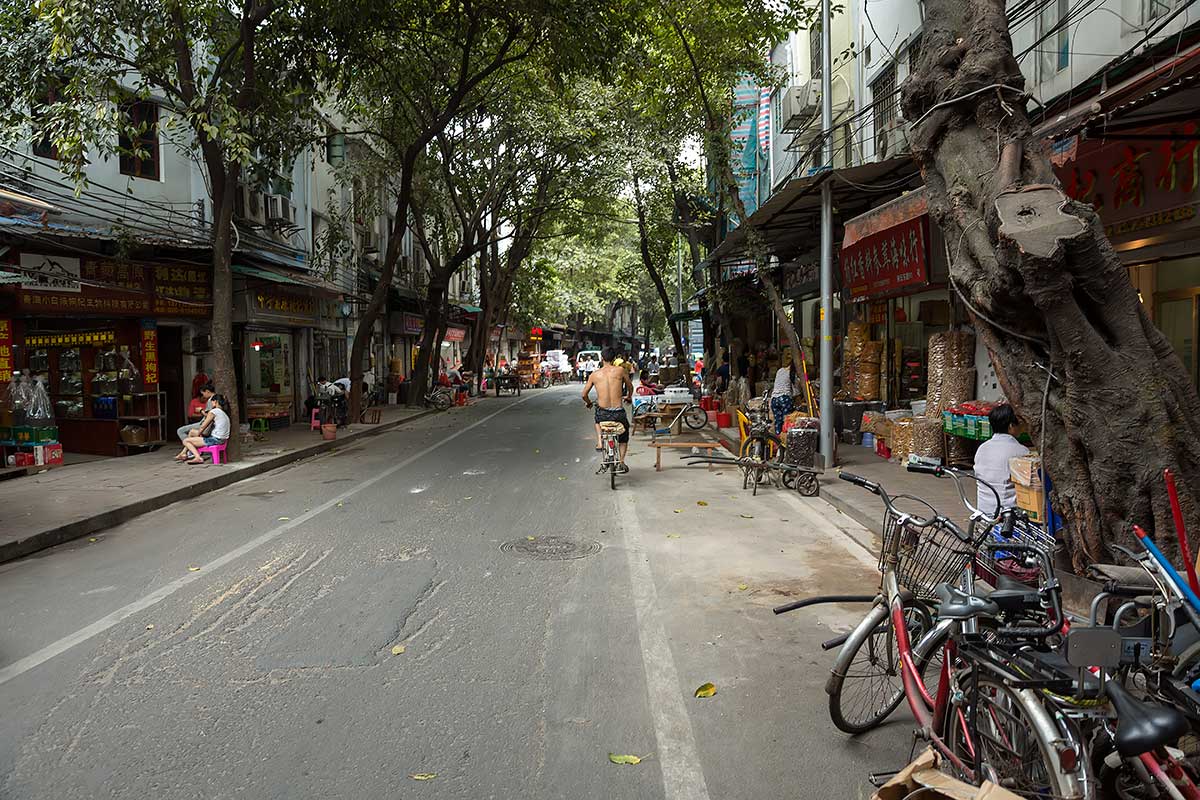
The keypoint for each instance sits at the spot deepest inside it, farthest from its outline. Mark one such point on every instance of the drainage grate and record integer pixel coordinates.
(551, 548)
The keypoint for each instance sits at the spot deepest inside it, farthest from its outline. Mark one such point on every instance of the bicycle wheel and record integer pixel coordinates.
(1015, 737)
(768, 444)
(695, 417)
(870, 687)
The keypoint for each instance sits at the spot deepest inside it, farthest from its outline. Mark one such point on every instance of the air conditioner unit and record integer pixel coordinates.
(253, 204)
(891, 141)
(800, 104)
(280, 209)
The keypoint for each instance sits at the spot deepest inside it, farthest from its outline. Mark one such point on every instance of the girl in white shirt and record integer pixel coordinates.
(219, 416)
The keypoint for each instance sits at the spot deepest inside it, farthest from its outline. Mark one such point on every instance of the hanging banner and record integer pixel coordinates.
(454, 333)
(149, 352)
(6, 353)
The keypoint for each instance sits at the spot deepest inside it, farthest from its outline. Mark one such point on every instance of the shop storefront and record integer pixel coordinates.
(1145, 185)
(106, 338)
(275, 324)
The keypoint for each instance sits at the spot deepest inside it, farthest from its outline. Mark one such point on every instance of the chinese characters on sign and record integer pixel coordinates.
(287, 304)
(414, 325)
(1137, 184)
(6, 353)
(112, 288)
(182, 291)
(149, 352)
(85, 303)
(75, 339)
(890, 260)
(455, 334)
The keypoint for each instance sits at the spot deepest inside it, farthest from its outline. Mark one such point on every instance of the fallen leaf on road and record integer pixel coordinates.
(536, 452)
(679, 511)
(150, 627)
(616, 759)
(423, 776)
(672, 535)
(193, 569)
(92, 540)
(747, 516)
(467, 498)
(339, 505)
(706, 690)
(701, 502)
(283, 519)
(742, 587)
(398, 650)
(561, 478)
(531, 538)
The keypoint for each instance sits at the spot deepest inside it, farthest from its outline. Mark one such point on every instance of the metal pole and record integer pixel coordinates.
(826, 241)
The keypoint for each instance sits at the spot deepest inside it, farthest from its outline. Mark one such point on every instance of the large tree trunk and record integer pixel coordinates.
(435, 297)
(224, 183)
(655, 275)
(1048, 291)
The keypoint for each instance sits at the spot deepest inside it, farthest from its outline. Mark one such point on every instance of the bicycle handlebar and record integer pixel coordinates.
(957, 475)
(857, 480)
(1051, 589)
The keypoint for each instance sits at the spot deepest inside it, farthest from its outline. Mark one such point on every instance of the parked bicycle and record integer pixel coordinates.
(439, 397)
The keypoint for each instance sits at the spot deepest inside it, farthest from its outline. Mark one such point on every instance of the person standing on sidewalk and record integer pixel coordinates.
(782, 394)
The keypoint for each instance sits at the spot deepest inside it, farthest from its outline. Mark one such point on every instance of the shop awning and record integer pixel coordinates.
(470, 309)
(687, 316)
(10, 277)
(292, 279)
(790, 219)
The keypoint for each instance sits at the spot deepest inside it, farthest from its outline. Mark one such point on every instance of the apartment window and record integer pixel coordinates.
(1055, 38)
(914, 54)
(1153, 9)
(848, 138)
(883, 93)
(814, 51)
(139, 144)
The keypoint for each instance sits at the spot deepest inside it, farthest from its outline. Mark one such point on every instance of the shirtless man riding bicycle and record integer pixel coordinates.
(613, 388)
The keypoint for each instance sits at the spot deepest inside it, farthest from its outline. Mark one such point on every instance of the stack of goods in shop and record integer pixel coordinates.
(951, 371)
(869, 369)
(927, 440)
(857, 335)
(527, 368)
(28, 435)
(901, 441)
(968, 420)
(912, 374)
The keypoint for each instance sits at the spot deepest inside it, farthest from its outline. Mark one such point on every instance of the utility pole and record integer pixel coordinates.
(826, 241)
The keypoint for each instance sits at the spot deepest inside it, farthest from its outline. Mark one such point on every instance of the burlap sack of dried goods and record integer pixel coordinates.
(960, 349)
(867, 384)
(927, 437)
(857, 334)
(873, 422)
(958, 386)
(960, 451)
(901, 440)
(801, 446)
(872, 353)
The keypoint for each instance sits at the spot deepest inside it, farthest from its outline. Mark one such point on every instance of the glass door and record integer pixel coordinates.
(1176, 317)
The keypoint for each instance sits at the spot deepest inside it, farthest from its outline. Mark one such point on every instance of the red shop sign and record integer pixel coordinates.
(455, 333)
(889, 261)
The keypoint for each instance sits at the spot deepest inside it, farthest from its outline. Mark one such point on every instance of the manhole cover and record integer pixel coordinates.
(551, 548)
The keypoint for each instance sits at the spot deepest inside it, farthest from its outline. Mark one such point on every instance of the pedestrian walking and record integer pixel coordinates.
(782, 393)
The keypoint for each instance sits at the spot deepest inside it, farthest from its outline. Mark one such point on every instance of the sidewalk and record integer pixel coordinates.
(865, 508)
(70, 502)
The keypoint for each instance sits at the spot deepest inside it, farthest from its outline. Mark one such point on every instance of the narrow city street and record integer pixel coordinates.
(462, 598)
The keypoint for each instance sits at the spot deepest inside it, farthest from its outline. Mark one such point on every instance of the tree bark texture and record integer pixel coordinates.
(224, 183)
(436, 301)
(652, 269)
(1048, 293)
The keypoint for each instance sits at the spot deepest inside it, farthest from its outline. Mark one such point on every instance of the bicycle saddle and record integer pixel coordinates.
(611, 427)
(956, 604)
(1012, 595)
(1142, 726)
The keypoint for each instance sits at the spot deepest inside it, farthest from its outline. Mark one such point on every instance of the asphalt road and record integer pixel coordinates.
(332, 629)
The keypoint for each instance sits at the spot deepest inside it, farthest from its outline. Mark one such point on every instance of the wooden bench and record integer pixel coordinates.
(709, 447)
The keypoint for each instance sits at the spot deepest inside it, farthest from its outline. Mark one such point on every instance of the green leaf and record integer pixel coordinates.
(616, 759)
(706, 690)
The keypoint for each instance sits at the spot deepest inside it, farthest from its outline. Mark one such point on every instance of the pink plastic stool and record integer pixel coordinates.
(314, 424)
(217, 451)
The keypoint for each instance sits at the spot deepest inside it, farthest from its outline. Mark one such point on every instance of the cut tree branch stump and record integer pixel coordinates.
(1033, 219)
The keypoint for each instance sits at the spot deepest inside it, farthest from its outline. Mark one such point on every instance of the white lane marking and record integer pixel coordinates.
(64, 644)
(683, 778)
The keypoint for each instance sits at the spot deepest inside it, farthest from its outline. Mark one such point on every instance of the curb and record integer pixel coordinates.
(46, 539)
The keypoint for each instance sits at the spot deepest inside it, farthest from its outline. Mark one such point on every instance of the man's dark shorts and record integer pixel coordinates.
(614, 415)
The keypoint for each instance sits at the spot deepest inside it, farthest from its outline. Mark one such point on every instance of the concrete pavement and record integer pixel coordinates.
(463, 598)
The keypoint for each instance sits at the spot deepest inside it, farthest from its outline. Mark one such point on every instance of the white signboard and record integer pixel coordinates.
(49, 273)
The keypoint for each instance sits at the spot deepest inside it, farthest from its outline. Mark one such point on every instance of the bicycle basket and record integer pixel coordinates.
(926, 557)
(991, 563)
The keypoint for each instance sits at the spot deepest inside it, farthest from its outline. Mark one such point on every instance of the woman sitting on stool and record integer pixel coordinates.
(218, 415)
